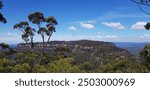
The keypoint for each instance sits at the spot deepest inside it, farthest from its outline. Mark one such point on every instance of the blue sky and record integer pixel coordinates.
(103, 20)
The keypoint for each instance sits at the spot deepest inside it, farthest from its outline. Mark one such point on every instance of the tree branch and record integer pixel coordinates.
(143, 10)
(146, 4)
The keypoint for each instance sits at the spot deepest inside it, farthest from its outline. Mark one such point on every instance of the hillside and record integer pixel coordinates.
(85, 50)
(133, 47)
(82, 56)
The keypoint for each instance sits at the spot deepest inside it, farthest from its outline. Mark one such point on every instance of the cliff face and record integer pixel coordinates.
(74, 45)
(84, 50)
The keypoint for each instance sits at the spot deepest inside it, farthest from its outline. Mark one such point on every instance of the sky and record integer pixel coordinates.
(100, 20)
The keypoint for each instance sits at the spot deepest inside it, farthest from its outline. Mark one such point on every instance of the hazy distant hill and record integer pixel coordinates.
(13, 45)
(133, 47)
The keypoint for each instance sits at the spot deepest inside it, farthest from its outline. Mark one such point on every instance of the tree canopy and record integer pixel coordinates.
(2, 18)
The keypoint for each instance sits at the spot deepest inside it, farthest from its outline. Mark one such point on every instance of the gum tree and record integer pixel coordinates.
(7, 50)
(46, 27)
(4, 47)
(145, 53)
(27, 32)
(2, 18)
(145, 56)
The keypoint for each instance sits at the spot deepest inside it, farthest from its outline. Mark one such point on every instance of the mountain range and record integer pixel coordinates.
(133, 47)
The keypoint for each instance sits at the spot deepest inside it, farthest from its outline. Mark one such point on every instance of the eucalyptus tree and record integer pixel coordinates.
(4, 47)
(145, 56)
(46, 26)
(10, 52)
(2, 18)
(6, 50)
(27, 32)
(145, 53)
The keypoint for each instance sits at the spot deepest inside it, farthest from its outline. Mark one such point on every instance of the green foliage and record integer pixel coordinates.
(36, 18)
(2, 55)
(87, 67)
(62, 52)
(2, 18)
(27, 32)
(4, 62)
(63, 60)
(4, 66)
(50, 22)
(63, 66)
(27, 57)
(147, 26)
(46, 59)
(39, 69)
(4, 46)
(121, 66)
(145, 55)
(21, 68)
(6, 51)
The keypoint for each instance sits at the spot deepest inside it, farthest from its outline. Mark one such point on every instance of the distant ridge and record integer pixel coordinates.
(85, 49)
(133, 47)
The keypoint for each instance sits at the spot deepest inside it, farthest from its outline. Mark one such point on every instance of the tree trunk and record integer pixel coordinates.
(48, 40)
(43, 45)
(32, 44)
(26, 44)
(43, 49)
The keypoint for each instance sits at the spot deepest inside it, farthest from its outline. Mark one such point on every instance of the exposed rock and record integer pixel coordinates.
(85, 50)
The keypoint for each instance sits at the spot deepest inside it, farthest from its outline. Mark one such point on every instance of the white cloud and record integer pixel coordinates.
(116, 25)
(11, 34)
(146, 36)
(99, 33)
(96, 37)
(112, 37)
(87, 25)
(73, 28)
(92, 21)
(105, 37)
(138, 26)
(10, 38)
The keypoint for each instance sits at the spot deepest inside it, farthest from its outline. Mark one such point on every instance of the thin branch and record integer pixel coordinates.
(146, 4)
(48, 40)
(143, 10)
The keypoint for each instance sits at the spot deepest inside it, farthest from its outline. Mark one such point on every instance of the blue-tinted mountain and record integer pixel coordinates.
(133, 47)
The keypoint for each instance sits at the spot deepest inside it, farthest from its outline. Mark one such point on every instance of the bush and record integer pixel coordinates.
(63, 66)
(145, 56)
(21, 68)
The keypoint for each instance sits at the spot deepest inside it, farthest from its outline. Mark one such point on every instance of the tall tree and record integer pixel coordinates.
(2, 18)
(22, 27)
(27, 31)
(50, 22)
(4, 46)
(145, 55)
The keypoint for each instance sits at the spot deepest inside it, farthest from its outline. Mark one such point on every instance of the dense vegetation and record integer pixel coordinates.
(63, 60)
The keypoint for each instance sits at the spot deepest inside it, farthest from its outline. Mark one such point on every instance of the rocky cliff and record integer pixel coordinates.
(84, 50)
